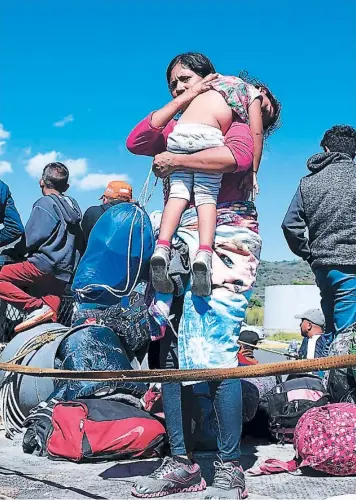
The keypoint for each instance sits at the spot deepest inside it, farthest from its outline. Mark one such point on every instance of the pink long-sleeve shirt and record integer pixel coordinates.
(145, 139)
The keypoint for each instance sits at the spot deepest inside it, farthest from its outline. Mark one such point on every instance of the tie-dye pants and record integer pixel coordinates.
(210, 326)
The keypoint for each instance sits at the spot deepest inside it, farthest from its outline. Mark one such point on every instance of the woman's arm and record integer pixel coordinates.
(147, 140)
(235, 156)
(150, 135)
(218, 160)
(160, 118)
(256, 126)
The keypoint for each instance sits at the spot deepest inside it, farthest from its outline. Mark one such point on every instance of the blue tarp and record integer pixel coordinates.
(118, 253)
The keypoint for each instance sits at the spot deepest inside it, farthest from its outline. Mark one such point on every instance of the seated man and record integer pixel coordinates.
(12, 229)
(53, 238)
(312, 330)
(116, 192)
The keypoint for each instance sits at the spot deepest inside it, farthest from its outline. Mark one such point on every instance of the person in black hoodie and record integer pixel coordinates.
(320, 225)
(116, 192)
(53, 241)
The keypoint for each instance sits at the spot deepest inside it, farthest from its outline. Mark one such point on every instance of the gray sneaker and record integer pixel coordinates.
(229, 482)
(201, 274)
(160, 261)
(171, 477)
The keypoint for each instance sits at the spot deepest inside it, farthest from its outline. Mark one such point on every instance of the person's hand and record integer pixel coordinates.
(249, 185)
(204, 84)
(255, 186)
(199, 88)
(246, 185)
(163, 164)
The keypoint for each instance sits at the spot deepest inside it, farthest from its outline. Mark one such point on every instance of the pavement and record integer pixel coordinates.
(28, 477)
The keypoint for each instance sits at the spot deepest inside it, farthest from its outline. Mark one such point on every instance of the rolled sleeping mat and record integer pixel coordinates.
(30, 391)
(84, 347)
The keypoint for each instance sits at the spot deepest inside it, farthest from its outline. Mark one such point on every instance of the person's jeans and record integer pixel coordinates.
(227, 404)
(338, 296)
(178, 402)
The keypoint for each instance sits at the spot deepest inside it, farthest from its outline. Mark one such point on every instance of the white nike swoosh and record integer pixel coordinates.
(140, 430)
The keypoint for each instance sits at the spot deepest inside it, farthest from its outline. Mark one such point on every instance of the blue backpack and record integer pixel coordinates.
(117, 256)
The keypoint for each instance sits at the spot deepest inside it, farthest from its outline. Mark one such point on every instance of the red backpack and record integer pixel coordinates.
(324, 439)
(97, 429)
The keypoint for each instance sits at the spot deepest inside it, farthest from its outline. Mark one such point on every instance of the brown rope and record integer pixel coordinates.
(252, 371)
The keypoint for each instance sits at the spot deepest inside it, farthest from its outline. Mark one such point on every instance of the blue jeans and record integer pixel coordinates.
(338, 296)
(227, 404)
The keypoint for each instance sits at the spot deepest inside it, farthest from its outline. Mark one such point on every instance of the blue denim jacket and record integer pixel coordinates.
(9, 217)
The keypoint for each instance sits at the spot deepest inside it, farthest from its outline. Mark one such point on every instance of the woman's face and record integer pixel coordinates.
(182, 79)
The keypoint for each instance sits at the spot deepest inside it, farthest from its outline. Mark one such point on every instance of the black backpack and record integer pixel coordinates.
(288, 401)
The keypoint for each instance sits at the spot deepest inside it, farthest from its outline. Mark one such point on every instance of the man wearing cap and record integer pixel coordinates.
(116, 192)
(314, 343)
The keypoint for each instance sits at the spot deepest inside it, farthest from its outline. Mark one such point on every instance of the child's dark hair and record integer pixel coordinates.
(275, 122)
(55, 176)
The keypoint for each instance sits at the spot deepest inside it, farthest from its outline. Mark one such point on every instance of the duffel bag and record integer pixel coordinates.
(96, 429)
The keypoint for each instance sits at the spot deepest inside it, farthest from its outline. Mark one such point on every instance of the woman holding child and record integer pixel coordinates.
(212, 315)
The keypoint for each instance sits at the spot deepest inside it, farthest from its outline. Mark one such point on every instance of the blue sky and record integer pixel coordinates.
(99, 65)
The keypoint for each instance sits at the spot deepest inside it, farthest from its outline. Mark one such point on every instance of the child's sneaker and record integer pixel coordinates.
(229, 482)
(171, 477)
(201, 274)
(159, 270)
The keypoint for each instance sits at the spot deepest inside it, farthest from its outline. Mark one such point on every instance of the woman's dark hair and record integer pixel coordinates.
(55, 176)
(340, 139)
(194, 61)
(275, 122)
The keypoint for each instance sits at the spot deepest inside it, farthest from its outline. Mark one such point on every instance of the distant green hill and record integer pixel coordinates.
(295, 272)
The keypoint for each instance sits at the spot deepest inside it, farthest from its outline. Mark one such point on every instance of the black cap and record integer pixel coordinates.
(249, 336)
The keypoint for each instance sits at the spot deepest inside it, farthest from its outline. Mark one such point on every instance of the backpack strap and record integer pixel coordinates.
(273, 466)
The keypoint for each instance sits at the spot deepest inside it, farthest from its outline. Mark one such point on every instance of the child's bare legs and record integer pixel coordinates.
(202, 265)
(206, 190)
(207, 224)
(171, 218)
(181, 186)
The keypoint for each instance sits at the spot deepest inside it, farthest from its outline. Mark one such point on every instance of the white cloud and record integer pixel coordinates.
(27, 151)
(66, 119)
(77, 168)
(98, 181)
(35, 165)
(4, 134)
(5, 167)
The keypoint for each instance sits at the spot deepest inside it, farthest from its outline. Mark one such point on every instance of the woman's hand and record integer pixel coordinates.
(255, 186)
(249, 186)
(200, 87)
(163, 164)
(161, 117)
(246, 185)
